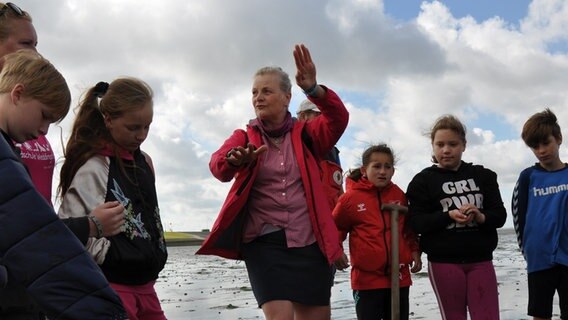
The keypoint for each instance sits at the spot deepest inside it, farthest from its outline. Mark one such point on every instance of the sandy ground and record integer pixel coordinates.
(208, 287)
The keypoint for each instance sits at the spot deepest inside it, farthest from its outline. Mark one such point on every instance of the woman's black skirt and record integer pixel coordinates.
(276, 272)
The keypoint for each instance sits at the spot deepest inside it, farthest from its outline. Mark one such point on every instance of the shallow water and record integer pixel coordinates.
(209, 287)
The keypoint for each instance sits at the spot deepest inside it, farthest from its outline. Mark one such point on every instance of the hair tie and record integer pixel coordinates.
(100, 89)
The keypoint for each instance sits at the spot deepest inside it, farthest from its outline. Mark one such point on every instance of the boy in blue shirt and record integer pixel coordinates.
(540, 205)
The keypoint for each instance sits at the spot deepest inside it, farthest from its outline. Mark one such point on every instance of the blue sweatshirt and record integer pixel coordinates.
(539, 206)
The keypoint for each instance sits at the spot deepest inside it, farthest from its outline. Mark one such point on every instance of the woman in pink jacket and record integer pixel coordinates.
(276, 217)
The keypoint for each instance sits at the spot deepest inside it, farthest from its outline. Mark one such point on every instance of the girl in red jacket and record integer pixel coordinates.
(358, 212)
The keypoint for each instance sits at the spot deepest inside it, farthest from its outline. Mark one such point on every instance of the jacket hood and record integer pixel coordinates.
(109, 151)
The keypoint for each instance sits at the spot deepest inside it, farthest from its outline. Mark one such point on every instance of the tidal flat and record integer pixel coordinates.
(210, 288)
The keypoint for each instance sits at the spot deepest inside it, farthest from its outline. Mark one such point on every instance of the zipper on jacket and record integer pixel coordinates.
(245, 182)
(306, 156)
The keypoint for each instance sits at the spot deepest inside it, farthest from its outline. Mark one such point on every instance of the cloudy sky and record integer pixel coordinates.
(397, 66)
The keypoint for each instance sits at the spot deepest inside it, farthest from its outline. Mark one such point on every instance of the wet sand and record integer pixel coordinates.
(208, 287)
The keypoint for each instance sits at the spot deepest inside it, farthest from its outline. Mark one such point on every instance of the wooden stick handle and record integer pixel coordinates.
(394, 209)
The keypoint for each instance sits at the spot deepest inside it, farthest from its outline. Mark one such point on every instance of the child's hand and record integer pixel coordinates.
(473, 212)
(111, 217)
(461, 216)
(416, 261)
(342, 263)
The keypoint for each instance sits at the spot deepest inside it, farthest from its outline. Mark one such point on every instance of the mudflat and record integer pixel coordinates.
(208, 287)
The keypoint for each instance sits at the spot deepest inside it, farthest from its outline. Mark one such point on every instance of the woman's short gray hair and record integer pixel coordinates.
(285, 83)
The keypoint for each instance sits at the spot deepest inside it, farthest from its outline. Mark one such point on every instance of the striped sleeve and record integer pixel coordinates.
(519, 204)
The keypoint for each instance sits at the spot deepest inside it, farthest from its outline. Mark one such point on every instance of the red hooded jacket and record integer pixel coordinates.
(358, 213)
(324, 132)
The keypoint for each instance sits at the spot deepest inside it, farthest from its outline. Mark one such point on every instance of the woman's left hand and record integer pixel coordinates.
(342, 262)
(305, 68)
(416, 262)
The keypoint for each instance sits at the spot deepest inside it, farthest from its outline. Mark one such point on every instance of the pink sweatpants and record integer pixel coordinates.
(459, 287)
(140, 302)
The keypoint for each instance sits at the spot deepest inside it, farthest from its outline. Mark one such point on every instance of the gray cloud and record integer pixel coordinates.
(396, 77)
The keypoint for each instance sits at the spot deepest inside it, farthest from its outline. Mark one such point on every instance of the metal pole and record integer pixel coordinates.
(394, 209)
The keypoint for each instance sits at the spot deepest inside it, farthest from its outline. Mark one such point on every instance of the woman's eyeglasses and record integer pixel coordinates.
(9, 5)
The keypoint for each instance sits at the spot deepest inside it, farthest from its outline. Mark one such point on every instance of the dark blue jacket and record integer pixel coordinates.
(42, 256)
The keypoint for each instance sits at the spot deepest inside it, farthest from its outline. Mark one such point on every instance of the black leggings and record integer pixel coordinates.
(376, 304)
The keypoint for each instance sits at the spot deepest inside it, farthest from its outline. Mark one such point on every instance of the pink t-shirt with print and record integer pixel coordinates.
(38, 156)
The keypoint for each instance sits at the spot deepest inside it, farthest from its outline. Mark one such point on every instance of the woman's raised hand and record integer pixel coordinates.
(305, 68)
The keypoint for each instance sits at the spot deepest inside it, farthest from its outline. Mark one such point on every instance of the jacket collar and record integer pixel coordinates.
(364, 184)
